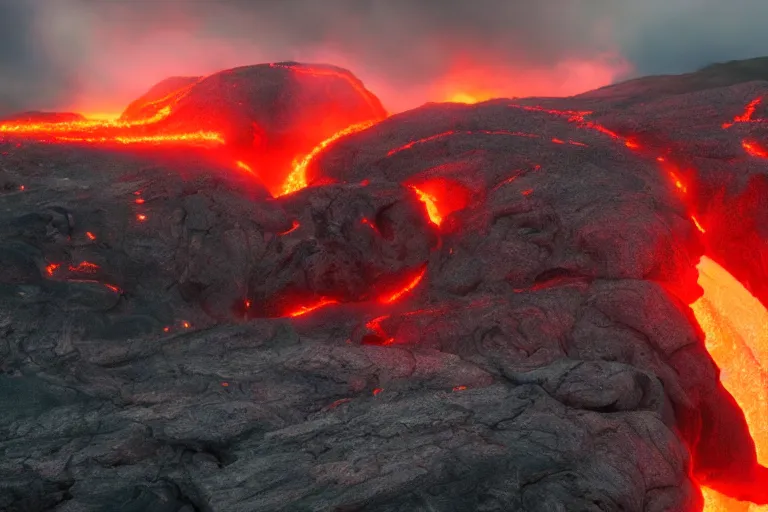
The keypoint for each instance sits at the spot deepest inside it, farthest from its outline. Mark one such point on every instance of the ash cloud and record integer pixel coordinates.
(97, 54)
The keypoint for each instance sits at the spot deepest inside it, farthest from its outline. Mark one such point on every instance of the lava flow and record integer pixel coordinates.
(297, 179)
(736, 327)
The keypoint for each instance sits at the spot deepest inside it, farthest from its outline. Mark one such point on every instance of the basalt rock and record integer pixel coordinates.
(174, 339)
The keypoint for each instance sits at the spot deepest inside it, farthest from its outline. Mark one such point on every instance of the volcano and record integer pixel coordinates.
(259, 291)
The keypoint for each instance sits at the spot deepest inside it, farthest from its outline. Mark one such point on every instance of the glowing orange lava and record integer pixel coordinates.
(357, 85)
(441, 197)
(736, 328)
(303, 310)
(745, 117)
(430, 202)
(88, 125)
(294, 226)
(244, 166)
(442, 135)
(412, 284)
(698, 224)
(297, 179)
(578, 117)
(186, 138)
(754, 149)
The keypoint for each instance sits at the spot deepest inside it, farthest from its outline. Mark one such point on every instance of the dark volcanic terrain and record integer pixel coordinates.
(471, 307)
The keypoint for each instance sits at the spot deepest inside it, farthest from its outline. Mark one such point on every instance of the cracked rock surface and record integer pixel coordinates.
(545, 360)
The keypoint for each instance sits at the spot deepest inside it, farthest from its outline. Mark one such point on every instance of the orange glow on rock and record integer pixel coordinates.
(90, 235)
(141, 217)
(297, 179)
(736, 327)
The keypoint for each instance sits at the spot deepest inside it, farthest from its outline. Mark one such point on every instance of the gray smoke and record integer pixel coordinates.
(65, 53)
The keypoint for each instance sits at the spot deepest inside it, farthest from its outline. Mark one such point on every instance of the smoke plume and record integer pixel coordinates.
(97, 55)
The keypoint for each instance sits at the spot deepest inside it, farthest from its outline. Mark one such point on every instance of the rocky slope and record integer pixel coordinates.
(175, 339)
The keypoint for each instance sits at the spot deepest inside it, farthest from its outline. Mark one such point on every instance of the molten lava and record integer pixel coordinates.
(441, 197)
(409, 287)
(430, 202)
(746, 116)
(736, 328)
(754, 149)
(303, 310)
(297, 179)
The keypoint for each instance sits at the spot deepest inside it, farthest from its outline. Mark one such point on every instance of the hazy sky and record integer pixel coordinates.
(98, 54)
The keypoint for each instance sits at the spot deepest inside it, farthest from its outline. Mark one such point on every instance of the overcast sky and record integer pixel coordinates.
(98, 54)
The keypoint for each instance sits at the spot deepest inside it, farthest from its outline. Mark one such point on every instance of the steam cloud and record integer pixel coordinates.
(97, 55)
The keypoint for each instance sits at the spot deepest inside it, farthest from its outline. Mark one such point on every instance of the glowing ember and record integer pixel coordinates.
(53, 267)
(754, 149)
(736, 328)
(377, 391)
(112, 288)
(141, 217)
(413, 283)
(303, 310)
(297, 180)
(90, 235)
(459, 388)
(186, 325)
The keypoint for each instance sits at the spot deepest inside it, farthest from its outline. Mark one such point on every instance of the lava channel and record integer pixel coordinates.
(736, 327)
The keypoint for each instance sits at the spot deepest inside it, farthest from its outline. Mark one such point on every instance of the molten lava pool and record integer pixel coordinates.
(736, 328)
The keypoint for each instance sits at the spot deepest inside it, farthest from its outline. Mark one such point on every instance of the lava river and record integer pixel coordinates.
(736, 328)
